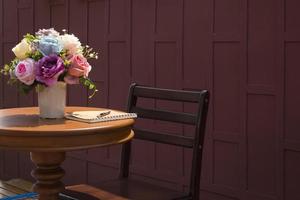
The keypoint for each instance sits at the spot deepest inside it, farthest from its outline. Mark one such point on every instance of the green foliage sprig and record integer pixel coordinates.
(35, 55)
(88, 83)
(9, 68)
(30, 38)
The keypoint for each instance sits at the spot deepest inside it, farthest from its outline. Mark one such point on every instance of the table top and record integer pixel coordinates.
(23, 129)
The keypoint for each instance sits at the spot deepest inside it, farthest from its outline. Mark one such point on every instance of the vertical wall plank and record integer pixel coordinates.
(197, 56)
(143, 73)
(119, 69)
(97, 29)
(10, 37)
(2, 84)
(25, 25)
(292, 175)
(119, 62)
(261, 145)
(42, 14)
(227, 66)
(262, 47)
(26, 22)
(291, 147)
(77, 94)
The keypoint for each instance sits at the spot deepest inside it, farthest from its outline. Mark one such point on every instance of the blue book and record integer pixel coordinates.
(34, 196)
(26, 196)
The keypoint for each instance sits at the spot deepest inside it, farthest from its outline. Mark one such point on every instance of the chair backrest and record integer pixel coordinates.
(198, 119)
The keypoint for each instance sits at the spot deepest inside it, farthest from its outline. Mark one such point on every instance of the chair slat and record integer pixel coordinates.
(166, 94)
(185, 118)
(164, 138)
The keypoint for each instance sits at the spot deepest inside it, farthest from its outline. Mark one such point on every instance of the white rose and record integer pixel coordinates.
(21, 49)
(70, 43)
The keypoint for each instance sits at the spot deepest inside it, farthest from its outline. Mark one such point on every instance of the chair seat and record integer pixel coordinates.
(123, 189)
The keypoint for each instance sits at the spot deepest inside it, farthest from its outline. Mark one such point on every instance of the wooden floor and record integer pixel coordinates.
(14, 187)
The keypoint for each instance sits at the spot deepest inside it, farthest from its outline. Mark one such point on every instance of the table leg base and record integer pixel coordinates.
(48, 174)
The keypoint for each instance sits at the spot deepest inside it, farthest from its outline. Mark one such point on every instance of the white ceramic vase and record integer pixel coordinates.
(52, 101)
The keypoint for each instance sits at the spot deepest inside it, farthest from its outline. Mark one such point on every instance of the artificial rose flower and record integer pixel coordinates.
(70, 43)
(47, 32)
(79, 66)
(49, 45)
(25, 71)
(49, 68)
(21, 49)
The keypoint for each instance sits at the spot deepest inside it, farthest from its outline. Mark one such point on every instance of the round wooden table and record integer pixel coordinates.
(47, 140)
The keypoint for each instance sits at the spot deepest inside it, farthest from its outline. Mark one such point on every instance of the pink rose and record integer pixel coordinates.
(25, 71)
(79, 66)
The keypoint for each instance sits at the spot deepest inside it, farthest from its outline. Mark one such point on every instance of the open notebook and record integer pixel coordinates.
(99, 116)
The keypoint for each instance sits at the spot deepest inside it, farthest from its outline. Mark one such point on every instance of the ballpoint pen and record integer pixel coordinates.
(102, 114)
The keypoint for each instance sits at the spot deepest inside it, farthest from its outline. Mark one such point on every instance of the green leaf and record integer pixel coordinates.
(29, 38)
(36, 55)
(89, 84)
(25, 89)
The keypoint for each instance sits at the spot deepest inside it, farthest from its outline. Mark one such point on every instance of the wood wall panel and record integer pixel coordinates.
(143, 48)
(77, 95)
(26, 21)
(41, 8)
(58, 14)
(98, 23)
(119, 69)
(292, 175)
(227, 66)
(25, 166)
(245, 52)
(262, 47)
(290, 131)
(11, 164)
(197, 46)
(226, 164)
(143, 16)
(10, 95)
(292, 111)
(227, 16)
(261, 145)
(206, 195)
(167, 17)
(118, 15)
(292, 24)
(98, 173)
(77, 174)
(96, 17)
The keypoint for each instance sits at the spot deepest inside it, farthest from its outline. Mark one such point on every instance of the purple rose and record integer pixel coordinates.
(49, 68)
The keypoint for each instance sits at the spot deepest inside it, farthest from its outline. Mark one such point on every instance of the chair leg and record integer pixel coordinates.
(125, 159)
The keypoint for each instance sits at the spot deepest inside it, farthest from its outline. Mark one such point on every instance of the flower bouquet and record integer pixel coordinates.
(47, 61)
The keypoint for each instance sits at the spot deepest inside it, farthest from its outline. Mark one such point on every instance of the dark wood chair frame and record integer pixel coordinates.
(198, 119)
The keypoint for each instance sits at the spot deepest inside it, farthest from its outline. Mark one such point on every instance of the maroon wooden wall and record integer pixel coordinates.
(246, 52)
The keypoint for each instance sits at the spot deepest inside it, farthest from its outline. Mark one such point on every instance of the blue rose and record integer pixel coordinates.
(49, 45)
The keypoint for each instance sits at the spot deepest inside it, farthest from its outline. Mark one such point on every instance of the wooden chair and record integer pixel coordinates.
(127, 188)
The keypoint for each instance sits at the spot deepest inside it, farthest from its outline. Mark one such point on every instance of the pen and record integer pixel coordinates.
(103, 114)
